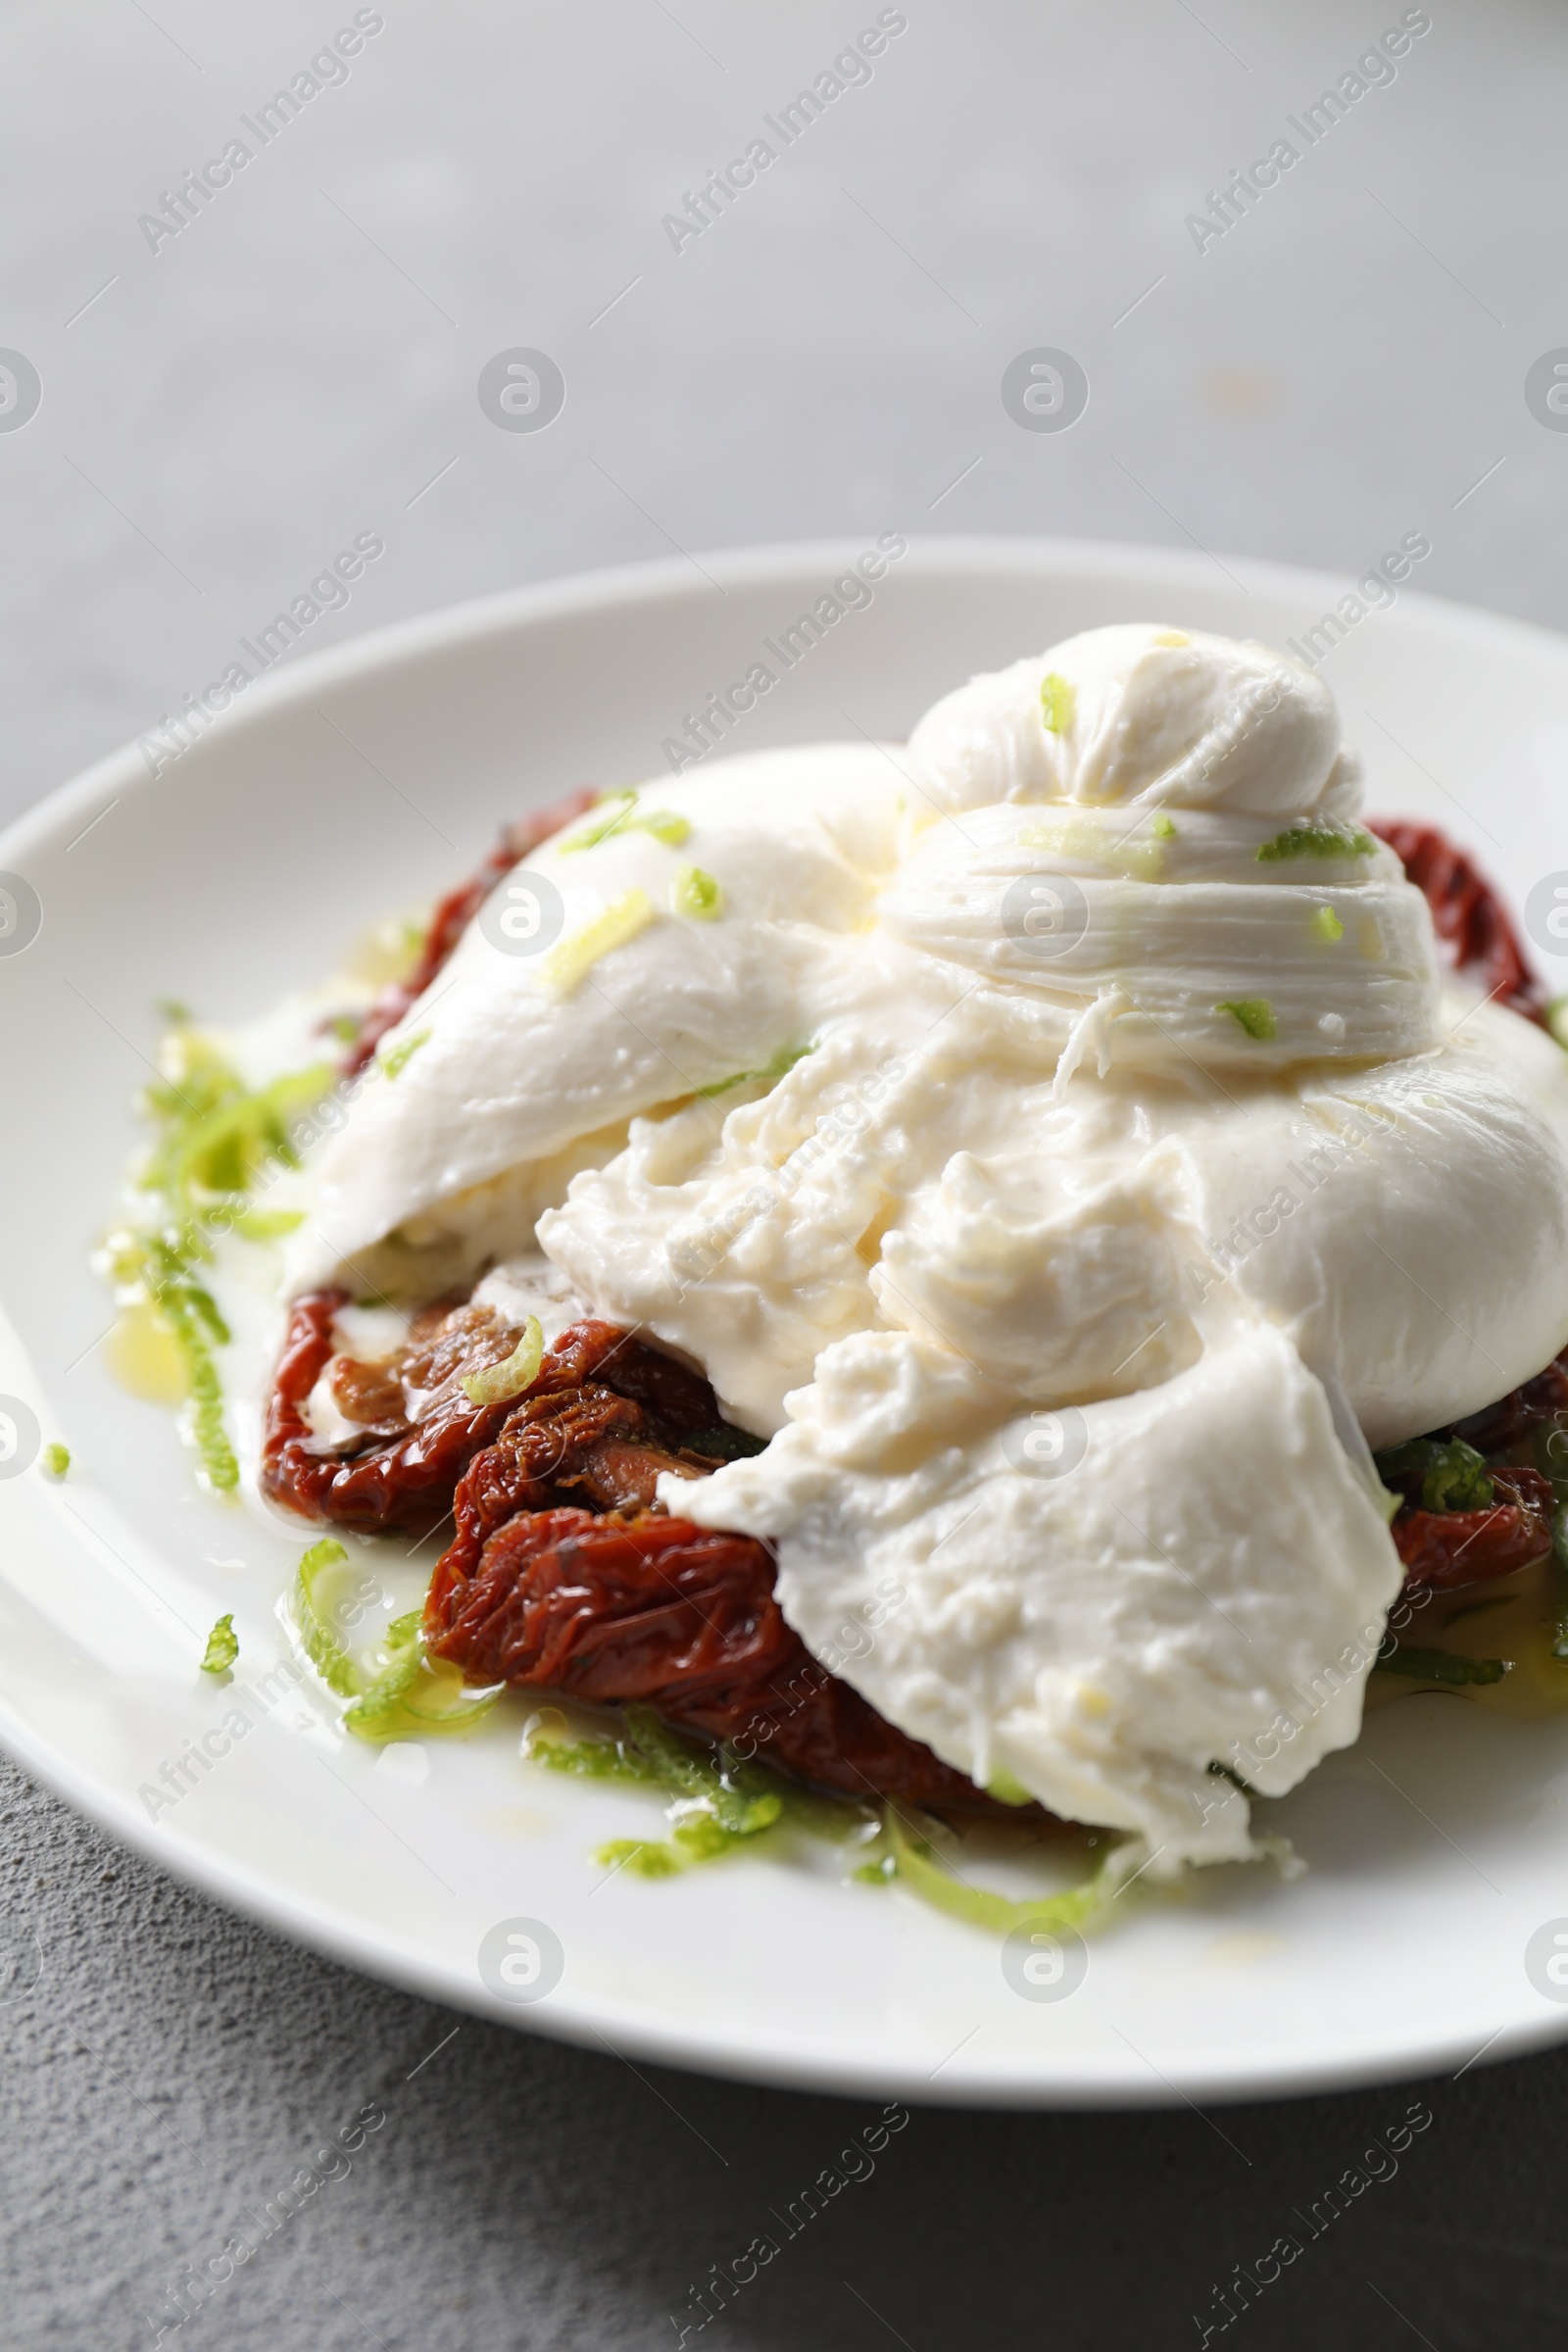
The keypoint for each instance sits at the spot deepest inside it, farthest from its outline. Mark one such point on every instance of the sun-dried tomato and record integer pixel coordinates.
(399, 1481)
(1467, 914)
(405, 1473)
(679, 1618)
(579, 1446)
(602, 1351)
(370, 1394)
(453, 917)
(1447, 1549)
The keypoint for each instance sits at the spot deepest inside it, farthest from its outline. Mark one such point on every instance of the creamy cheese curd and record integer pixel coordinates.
(502, 1074)
(1097, 1636)
(1143, 718)
(1052, 1136)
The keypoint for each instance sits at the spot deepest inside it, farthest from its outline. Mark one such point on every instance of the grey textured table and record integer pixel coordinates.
(230, 396)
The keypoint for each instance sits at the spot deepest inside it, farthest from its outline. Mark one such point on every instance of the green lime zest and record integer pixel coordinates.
(216, 1139)
(1315, 839)
(218, 1134)
(435, 1699)
(619, 1759)
(1256, 1015)
(57, 1460)
(323, 1647)
(402, 1694)
(416, 1695)
(412, 933)
(655, 1861)
(1443, 1666)
(1006, 1791)
(720, 1801)
(398, 1057)
(612, 927)
(782, 1063)
(266, 1224)
(1164, 828)
(1327, 924)
(663, 823)
(739, 1797)
(1092, 835)
(191, 1313)
(925, 1874)
(519, 1372)
(619, 806)
(1059, 700)
(381, 1698)
(223, 1648)
(695, 894)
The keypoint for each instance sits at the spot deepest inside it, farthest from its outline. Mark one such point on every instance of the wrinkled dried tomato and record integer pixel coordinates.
(399, 1481)
(1447, 1549)
(679, 1618)
(585, 1438)
(453, 917)
(1467, 914)
(406, 1476)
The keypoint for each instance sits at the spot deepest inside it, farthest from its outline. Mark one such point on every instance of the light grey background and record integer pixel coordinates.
(299, 364)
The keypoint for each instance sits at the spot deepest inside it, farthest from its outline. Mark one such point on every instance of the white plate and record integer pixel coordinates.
(1436, 1848)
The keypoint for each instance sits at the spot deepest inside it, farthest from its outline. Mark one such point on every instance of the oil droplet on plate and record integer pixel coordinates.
(143, 1355)
(1243, 1950)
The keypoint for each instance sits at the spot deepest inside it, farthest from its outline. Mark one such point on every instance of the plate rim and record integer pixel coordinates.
(305, 1922)
(670, 576)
